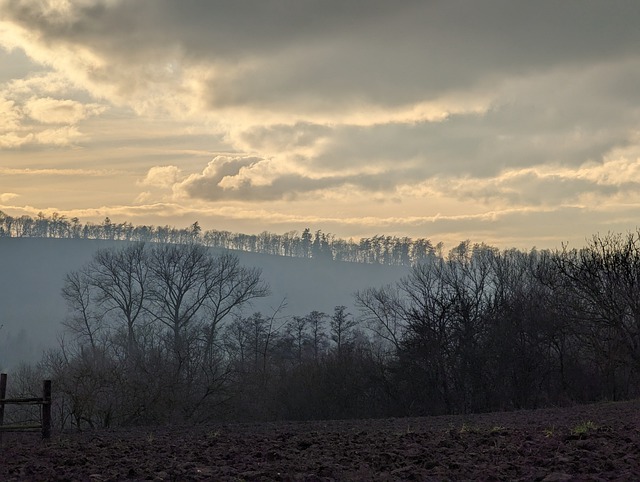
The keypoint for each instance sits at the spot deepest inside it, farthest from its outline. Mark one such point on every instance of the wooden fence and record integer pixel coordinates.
(44, 401)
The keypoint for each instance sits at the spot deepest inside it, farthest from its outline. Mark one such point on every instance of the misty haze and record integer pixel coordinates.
(33, 272)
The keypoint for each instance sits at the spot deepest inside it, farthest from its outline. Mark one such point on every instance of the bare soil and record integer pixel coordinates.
(590, 442)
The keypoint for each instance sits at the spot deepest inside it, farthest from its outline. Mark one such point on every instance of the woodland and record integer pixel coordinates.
(156, 332)
(388, 250)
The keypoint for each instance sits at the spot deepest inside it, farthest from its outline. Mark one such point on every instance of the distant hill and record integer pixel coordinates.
(32, 271)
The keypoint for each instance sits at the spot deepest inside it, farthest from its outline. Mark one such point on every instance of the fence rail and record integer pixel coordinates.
(44, 402)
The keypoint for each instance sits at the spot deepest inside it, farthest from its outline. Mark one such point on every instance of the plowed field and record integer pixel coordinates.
(591, 442)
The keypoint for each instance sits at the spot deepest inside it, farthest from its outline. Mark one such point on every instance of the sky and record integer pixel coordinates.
(509, 122)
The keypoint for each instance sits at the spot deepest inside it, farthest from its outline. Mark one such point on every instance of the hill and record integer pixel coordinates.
(32, 271)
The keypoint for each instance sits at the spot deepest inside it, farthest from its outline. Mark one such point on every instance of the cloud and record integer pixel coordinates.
(161, 176)
(8, 196)
(39, 84)
(529, 187)
(60, 111)
(290, 75)
(61, 137)
(562, 117)
(297, 137)
(12, 140)
(611, 181)
(6, 171)
(64, 136)
(296, 56)
(28, 113)
(9, 115)
(227, 177)
(257, 179)
(143, 197)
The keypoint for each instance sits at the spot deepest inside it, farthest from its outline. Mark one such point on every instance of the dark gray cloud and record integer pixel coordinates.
(529, 188)
(284, 137)
(387, 53)
(563, 118)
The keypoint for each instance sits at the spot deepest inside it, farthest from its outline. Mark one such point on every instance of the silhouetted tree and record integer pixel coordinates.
(341, 324)
(164, 304)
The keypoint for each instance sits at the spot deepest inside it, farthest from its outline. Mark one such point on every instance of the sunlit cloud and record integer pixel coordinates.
(143, 197)
(9, 115)
(28, 114)
(55, 111)
(12, 140)
(58, 137)
(5, 171)
(41, 83)
(161, 176)
(8, 196)
(544, 185)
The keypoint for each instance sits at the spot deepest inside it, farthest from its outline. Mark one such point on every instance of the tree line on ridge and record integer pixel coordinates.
(387, 250)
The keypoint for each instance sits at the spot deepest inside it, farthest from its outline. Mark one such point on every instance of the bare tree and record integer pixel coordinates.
(181, 282)
(603, 279)
(164, 304)
(232, 286)
(192, 290)
(119, 278)
(316, 321)
(297, 328)
(341, 324)
(83, 321)
(382, 310)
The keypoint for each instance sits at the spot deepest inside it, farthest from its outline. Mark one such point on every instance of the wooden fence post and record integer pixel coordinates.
(3, 395)
(44, 401)
(46, 409)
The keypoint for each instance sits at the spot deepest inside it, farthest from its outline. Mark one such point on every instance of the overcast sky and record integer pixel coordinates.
(515, 123)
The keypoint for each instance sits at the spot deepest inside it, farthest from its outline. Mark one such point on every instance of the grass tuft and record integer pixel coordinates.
(583, 428)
